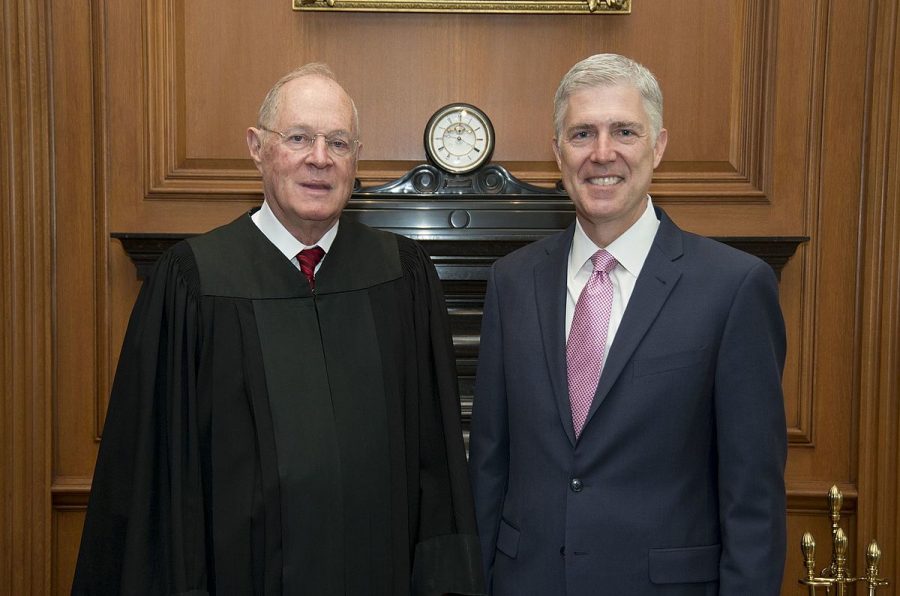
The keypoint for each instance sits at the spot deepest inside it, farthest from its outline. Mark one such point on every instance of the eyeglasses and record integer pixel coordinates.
(338, 145)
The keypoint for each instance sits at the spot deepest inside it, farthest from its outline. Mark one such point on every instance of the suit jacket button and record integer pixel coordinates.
(576, 485)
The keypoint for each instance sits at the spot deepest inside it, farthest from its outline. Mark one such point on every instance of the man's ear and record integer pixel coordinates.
(661, 140)
(555, 144)
(254, 144)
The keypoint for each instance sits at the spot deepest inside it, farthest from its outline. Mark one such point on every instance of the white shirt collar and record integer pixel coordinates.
(283, 240)
(630, 249)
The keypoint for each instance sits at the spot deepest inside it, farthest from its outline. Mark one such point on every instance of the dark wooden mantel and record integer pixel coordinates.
(465, 223)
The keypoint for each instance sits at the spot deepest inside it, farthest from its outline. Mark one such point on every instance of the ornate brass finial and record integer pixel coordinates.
(835, 502)
(873, 556)
(840, 554)
(836, 575)
(808, 548)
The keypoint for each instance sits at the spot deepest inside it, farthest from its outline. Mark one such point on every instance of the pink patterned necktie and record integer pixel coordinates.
(308, 259)
(587, 337)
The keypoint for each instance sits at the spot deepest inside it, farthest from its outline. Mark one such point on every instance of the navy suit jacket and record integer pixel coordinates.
(676, 484)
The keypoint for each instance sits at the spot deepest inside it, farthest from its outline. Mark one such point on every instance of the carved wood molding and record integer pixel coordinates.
(465, 221)
(812, 497)
(879, 434)
(802, 432)
(457, 261)
(741, 178)
(26, 300)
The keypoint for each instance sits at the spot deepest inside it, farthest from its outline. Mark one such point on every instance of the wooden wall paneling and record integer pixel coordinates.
(824, 303)
(67, 526)
(879, 435)
(78, 102)
(750, 186)
(764, 103)
(184, 110)
(77, 325)
(800, 425)
(844, 408)
(171, 171)
(26, 300)
(706, 161)
(795, 380)
(424, 61)
(830, 212)
(834, 227)
(804, 155)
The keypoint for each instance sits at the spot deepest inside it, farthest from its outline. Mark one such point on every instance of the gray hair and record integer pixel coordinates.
(270, 104)
(605, 70)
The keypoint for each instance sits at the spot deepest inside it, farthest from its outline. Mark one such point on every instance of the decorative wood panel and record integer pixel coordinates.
(879, 362)
(194, 154)
(26, 343)
(783, 120)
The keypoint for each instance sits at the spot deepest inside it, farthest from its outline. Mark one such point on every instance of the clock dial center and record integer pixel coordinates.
(459, 138)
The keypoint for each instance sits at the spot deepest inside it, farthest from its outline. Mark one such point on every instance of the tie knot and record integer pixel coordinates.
(308, 259)
(603, 261)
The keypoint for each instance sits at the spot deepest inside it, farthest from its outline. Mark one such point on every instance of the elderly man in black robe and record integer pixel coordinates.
(285, 415)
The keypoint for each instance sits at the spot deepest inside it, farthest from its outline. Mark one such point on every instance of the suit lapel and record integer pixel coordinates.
(658, 278)
(550, 294)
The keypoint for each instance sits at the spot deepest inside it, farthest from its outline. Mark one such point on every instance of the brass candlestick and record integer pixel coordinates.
(836, 575)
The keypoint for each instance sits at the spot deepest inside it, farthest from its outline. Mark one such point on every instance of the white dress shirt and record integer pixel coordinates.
(630, 250)
(284, 241)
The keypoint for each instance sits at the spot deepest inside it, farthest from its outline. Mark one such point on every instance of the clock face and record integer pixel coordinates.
(459, 138)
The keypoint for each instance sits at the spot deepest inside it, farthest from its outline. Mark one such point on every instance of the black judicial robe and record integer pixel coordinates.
(264, 440)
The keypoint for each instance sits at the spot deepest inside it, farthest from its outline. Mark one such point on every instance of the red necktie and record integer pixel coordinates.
(308, 259)
(587, 337)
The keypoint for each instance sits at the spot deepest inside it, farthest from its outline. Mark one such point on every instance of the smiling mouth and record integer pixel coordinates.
(605, 180)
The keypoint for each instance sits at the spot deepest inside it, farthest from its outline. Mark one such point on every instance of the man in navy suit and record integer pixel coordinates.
(667, 475)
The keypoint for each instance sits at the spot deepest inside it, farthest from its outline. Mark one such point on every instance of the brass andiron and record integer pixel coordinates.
(835, 576)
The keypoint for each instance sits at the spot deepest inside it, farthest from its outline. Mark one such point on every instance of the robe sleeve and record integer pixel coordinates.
(447, 556)
(144, 530)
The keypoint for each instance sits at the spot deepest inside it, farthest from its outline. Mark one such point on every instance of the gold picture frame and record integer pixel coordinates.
(470, 6)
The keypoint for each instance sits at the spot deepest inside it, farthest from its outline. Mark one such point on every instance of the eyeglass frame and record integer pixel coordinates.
(354, 143)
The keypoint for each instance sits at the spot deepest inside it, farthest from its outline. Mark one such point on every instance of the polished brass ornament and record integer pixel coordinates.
(835, 578)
